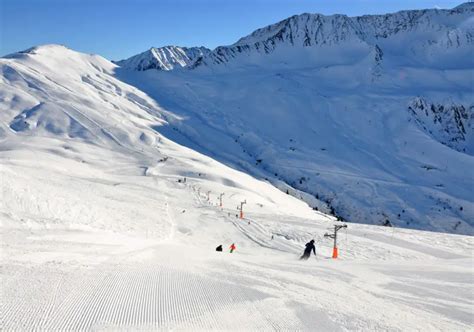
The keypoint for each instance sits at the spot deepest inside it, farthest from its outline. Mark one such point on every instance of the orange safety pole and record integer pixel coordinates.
(241, 209)
(334, 252)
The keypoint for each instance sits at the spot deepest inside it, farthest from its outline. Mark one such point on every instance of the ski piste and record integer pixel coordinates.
(118, 184)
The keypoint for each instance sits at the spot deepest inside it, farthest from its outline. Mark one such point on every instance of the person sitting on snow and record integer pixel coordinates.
(307, 252)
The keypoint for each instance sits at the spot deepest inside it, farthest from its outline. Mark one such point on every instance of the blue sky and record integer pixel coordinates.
(117, 29)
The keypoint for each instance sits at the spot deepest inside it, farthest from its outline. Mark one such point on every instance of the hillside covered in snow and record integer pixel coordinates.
(369, 118)
(119, 180)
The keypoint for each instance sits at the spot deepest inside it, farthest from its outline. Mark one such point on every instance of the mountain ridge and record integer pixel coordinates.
(365, 32)
(306, 30)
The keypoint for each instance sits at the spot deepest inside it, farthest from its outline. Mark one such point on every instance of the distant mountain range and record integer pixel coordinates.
(431, 38)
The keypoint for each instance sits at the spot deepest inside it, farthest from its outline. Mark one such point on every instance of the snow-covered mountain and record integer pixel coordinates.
(164, 58)
(81, 123)
(332, 110)
(115, 190)
(337, 107)
(422, 38)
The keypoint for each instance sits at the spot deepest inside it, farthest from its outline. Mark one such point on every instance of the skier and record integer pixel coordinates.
(219, 247)
(307, 252)
(232, 248)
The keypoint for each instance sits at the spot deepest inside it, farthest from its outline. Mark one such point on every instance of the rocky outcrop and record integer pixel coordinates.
(451, 124)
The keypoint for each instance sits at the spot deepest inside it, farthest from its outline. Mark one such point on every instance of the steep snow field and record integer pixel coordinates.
(370, 118)
(100, 231)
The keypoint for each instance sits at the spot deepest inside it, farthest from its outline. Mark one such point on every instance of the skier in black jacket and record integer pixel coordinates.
(307, 252)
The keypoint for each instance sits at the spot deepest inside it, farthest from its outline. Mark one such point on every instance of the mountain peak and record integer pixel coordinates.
(467, 5)
(164, 58)
(39, 49)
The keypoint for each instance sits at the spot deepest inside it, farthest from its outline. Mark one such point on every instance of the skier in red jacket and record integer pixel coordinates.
(232, 248)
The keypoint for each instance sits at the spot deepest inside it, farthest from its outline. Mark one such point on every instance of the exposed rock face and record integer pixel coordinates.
(449, 123)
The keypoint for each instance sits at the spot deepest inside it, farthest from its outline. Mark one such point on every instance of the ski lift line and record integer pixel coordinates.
(287, 247)
(262, 230)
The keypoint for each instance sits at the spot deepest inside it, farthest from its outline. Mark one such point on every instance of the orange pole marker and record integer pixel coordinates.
(242, 209)
(334, 252)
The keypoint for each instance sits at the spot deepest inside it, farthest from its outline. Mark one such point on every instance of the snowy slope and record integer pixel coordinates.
(99, 246)
(164, 58)
(100, 231)
(48, 111)
(370, 118)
